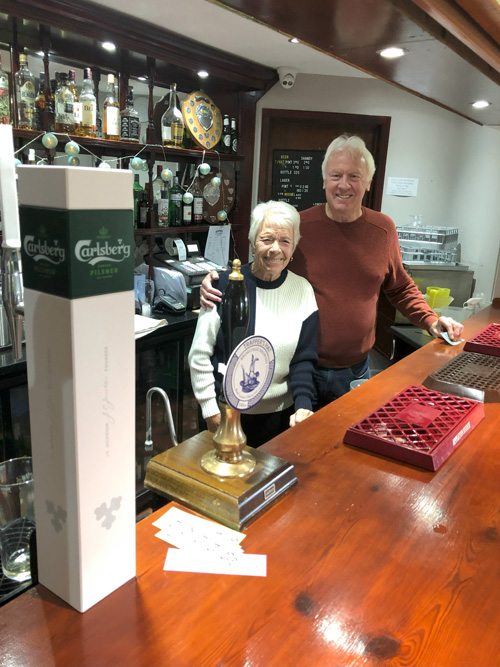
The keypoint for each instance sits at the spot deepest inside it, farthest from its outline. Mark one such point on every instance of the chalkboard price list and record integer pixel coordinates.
(297, 177)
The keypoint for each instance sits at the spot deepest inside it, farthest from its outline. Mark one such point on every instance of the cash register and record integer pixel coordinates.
(186, 260)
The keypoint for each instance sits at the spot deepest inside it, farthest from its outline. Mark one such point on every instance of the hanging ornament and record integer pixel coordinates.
(72, 148)
(166, 175)
(136, 163)
(17, 162)
(73, 161)
(221, 216)
(187, 197)
(104, 165)
(216, 181)
(42, 162)
(204, 168)
(49, 140)
(144, 165)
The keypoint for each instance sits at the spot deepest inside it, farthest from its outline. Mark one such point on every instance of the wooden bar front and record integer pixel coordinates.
(370, 562)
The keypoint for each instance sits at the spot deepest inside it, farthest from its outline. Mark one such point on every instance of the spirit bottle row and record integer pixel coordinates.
(171, 207)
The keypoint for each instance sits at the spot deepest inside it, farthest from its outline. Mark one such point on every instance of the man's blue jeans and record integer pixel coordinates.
(331, 383)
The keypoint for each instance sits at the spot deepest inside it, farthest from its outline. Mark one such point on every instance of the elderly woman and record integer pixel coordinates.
(283, 310)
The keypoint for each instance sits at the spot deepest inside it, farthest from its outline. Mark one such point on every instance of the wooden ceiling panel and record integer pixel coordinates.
(453, 47)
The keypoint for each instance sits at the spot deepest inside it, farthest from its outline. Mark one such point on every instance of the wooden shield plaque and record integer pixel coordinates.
(202, 119)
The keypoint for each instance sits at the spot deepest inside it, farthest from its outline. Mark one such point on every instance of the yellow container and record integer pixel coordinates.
(438, 297)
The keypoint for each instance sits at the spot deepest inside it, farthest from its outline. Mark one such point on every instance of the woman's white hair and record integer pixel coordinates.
(279, 213)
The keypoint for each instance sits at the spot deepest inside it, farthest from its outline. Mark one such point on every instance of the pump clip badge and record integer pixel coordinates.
(249, 372)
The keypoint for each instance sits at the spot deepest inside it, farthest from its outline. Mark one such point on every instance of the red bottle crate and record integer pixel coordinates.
(486, 341)
(417, 426)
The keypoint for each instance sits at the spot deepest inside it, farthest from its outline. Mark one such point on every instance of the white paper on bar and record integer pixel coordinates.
(217, 245)
(181, 529)
(184, 560)
(144, 325)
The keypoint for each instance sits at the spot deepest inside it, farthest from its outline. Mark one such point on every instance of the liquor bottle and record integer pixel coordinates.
(187, 211)
(88, 126)
(138, 190)
(234, 137)
(25, 95)
(163, 205)
(65, 120)
(111, 112)
(197, 202)
(40, 103)
(157, 184)
(234, 311)
(226, 136)
(77, 107)
(172, 122)
(50, 107)
(175, 204)
(4, 97)
(143, 211)
(130, 124)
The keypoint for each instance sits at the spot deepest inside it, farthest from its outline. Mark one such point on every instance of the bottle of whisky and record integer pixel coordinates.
(130, 124)
(88, 125)
(163, 204)
(4, 97)
(40, 103)
(111, 112)
(77, 108)
(175, 204)
(197, 202)
(157, 184)
(172, 122)
(138, 190)
(25, 95)
(234, 137)
(234, 311)
(65, 120)
(226, 136)
(143, 211)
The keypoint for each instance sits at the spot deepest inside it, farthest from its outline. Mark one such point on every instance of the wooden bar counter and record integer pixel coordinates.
(370, 562)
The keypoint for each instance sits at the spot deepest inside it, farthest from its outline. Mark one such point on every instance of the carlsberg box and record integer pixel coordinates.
(77, 255)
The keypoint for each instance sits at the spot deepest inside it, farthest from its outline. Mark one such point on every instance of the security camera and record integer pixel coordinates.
(287, 76)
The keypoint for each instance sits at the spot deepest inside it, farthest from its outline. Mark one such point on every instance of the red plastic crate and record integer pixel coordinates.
(486, 341)
(418, 426)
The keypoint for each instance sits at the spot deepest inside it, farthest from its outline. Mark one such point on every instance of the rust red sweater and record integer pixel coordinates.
(347, 265)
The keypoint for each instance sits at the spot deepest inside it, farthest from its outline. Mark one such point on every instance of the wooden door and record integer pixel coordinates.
(313, 131)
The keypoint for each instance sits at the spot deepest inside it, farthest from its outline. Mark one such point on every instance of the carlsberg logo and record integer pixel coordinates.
(93, 252)
(42, 250)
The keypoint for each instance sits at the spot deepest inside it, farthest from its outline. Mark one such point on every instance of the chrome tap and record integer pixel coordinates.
(13, 296)
(12, 275)
(149, 440)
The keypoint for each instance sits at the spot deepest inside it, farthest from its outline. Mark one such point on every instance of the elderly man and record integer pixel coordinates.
(349, 253)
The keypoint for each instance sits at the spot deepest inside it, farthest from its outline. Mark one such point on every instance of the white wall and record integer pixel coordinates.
(457, 162)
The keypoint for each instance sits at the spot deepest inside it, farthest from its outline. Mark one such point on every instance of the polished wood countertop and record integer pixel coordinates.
(370, 562)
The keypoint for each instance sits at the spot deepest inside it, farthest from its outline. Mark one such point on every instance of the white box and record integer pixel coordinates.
(80, 349)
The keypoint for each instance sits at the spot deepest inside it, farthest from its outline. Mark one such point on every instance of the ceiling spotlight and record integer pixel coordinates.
(142, 78)
(481, 104)
(392, 52)
(108, 46)
(203, 73)
(294, 40)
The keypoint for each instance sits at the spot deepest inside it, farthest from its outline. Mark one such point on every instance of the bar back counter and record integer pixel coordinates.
(370, 562)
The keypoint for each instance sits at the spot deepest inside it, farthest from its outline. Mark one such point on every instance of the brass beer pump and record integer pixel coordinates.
(218, 475)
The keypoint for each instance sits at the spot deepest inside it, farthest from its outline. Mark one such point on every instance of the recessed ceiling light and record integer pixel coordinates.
(481, 104)
(392, 52)
(109, 46)
(294, 40)
(203, 73)
(142, 78)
